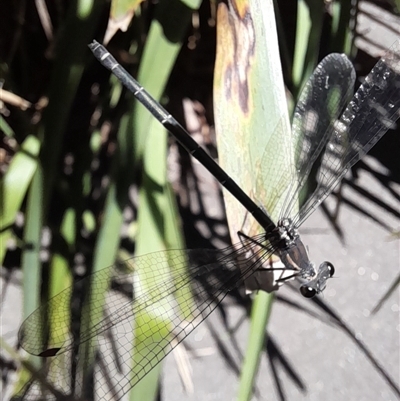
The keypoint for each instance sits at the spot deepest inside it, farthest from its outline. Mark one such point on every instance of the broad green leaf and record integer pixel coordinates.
(250, 104)
(342, 35)
(253, 132)
(14, 186)
(31, 265)
(61, 279)
(308, 35)
(17, 179)
(157, 218)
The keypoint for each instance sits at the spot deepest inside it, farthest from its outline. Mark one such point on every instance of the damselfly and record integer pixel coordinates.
(320, 133)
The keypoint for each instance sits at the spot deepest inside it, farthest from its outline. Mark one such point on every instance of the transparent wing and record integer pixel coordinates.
(154, 317)
(374, 109)
(275, 173)
(322, 100)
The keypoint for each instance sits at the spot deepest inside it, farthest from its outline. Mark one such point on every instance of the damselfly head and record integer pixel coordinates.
(318, 283)
(295, 257)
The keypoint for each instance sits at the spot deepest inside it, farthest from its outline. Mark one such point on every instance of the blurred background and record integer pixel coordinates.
(89, 179)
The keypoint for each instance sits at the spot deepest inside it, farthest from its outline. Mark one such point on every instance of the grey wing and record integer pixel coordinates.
(57, 310)
(129, 335)
(374, 109)
(322, 100)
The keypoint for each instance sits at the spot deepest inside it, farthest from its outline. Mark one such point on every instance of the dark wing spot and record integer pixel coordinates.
(49, 352)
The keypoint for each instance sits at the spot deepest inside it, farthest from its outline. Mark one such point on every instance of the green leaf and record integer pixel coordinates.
(14, 187)
(250, 104)
(253, 131)
(121, 8)
(31, 265)
(308, 36)
(157, 218)
(17, 179)
(260, 314)
(5, 127)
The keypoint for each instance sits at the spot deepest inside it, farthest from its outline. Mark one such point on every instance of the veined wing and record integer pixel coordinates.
(32, 332)
(374, 109)
(322, 100)
(159, 316)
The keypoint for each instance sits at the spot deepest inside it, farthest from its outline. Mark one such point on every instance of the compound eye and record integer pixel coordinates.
(330, 268)
(308, 292)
